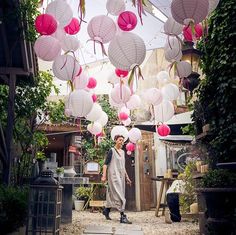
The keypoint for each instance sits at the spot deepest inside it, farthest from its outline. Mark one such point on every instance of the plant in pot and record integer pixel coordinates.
(82, 194)
(216, 97)
(60, 171)
(41, 158)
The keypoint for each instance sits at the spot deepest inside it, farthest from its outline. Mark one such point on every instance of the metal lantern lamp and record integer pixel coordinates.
(45, 202)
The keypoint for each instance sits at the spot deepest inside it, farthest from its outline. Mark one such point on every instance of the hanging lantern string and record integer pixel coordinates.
(101, 44)
(141, 11)
(81, 10)
(137, 73)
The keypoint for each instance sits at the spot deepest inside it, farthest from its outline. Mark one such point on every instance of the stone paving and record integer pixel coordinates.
(145, 221)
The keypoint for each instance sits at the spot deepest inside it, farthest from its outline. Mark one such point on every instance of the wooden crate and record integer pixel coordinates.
(93, 203)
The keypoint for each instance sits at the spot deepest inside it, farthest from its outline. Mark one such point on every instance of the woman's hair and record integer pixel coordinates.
(118, 136)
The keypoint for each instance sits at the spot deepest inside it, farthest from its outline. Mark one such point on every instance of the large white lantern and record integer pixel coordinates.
(127, 122)
(115, 7)
(164, 111)
(135, 135)
(126, 50)
(47, 48)
(61, 10)
(170, 92)
(103, 119)
(119, 130)
(101, 29)
(185, 11)
(59, 34)
(153, 96)
(172, 42)
(173, 54)
(171, 27)
(120, 94)
(65, 67)
(80, 103)
(70, 43)
(95, 113)
(94, 128)
(134, 102)
(163, 77)
(184, 69)
(212, 5)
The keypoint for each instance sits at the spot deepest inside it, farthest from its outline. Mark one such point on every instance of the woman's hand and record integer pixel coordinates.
(104, 179)
(128, 181)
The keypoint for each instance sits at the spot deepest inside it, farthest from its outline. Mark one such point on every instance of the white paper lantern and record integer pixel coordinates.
(164, 111)
(103, 119)
(124, 110)
(47, 48)
(134, 102)
(184, 69)
(59, 34)
(174, 54)
(119, 130)
(135, 135)
(212, 5)
(68, 112)
(172, 27)
(80, 103)
(61, 11)
(114, 104)
(65, 67)
(127, 122)
(153, 96)
(170, 92)
(70, 43)
(115, 7)
(101, 28)
(120, 94)
(185, 11)
(126, 50)
(94, 128)
(163, 77)
(95, 113)
(81, 81)
(172, 42)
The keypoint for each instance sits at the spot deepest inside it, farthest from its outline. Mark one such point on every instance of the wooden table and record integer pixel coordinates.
(165, 184)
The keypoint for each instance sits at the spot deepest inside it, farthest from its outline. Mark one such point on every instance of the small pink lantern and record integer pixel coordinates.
(94, 97)
(92, 83)
(189, 35)
(130, 147)
(121, 73)
(127, 21)
(45, 24)
(186, 12)
(163, 130)
(73, 27)
(123, 116)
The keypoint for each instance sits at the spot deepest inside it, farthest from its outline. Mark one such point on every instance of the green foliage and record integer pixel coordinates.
(83, 193)
(60, 170)
(189, 195)
(40, 156)
(56, 111)
(219, 178)
(188, 130)
(13, 208)
(216, 94)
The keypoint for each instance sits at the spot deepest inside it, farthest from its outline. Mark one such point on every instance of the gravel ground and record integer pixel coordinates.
(150, 224)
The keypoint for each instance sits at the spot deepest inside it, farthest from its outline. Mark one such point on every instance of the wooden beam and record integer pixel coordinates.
(14, 70)
(4, 78)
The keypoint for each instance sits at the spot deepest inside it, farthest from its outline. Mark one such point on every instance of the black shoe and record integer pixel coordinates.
(106, 212)
(124, 220)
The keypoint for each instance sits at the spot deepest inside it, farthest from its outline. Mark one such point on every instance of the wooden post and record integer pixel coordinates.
(10, 124)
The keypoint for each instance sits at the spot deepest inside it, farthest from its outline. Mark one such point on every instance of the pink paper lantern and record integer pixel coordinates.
(185, 11)
(73, 27)
(188, 34)
(163, 130)
(123, 116)
(94, 97)
(45, 24)
(127, 21)
(130, 147)
(121, 73)
(92, 83)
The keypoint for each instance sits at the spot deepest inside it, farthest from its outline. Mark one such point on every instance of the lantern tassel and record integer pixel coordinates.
(101, 44)
(141, 11)
(81, 10)
(138, 75)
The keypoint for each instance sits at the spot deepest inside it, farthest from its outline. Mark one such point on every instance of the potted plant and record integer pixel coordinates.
(60, 171)
(41, 158)
(82, 195)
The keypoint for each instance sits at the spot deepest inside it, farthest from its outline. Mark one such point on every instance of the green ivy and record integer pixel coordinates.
(216, 93)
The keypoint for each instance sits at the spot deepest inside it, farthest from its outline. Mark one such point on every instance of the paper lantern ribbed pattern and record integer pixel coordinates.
(135, 135)
(126, 50)
(59, 34)
(95, 113)
(172, 27)
(170, 92)
(103, 119)
(188, 35)
(73, 27)
(94, 128)
(47, 48)
(80, 103)
(134, 102)
(173, 42)
(123, 116)
(92, 83)
(173, 54)
(61, 11)
(163, 130)
(65, 67)
(101, 28)
(212, 5)
(115, 7)
(121, 73)
(119, 130)
(153, 96)
(81, 81)
(164, 111)
(70, 43)
(185, 11)
(45, 24)
(120, 94)
(130, 147)
(127, 21)
(183, 69)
